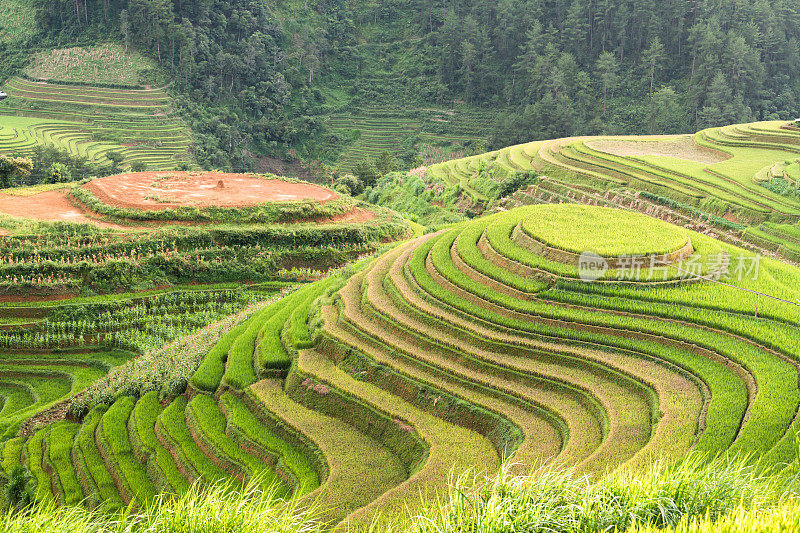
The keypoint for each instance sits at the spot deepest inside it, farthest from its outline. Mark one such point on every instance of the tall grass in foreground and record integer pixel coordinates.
(783, 518)
(216, 509)
(694, 496)
(553, 499)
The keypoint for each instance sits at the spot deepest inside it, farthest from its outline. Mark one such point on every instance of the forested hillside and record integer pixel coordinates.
(262, 76)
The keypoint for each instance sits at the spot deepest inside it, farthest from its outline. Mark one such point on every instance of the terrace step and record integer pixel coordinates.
(113, 443)
(95, 479)
(38, 463)
(160, 465)
(12, 453)
(208, 425)
(413, 434)
(675, 393)
(60, 445)
(359, 469)
(173, 433)
(258, 435)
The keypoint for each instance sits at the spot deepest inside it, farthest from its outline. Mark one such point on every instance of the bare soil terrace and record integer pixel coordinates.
(149, 190)
(48, 205)
(680, 147)
(156, 191)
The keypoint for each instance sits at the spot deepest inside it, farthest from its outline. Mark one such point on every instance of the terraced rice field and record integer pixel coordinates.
(455, 351)
(232, 242)
(440, 131)
(717, 163)
(88, 121)
(51, 351)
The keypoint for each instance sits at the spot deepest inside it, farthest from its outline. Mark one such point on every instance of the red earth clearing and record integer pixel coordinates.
(50, 205)
(186, 188)
(156, 191)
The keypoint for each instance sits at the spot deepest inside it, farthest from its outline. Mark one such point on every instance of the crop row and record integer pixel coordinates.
(93, 121)
(748, 356)
(129, 452)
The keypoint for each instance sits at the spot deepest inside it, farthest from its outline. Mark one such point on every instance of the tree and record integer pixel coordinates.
(713, 112)
(115, 158)
(652, 58)
(58, 173)
(722, 106)
(13, 169)
(138, 166)
(467, 60)
(668, 115)
(366, 172)
(150, 20)
(385, 163)
(607, 69)
(125, 27)
(576, 28)
(348, 184)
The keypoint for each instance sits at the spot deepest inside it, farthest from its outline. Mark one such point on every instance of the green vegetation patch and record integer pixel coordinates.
(607, 232)
(17, 22)
(114, 442)
(107, 63)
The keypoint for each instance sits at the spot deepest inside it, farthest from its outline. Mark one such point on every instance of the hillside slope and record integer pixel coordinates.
(458, 350)
(738, 182)
(88, 102)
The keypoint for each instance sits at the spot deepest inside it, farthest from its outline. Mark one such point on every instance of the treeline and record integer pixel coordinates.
(256, 75)
(47, 164)
(620, 66)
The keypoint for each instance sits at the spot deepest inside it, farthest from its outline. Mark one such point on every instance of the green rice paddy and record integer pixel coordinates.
(369, 391)
(90, 121)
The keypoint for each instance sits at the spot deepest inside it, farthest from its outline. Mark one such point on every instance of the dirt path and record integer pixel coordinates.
(49, 205)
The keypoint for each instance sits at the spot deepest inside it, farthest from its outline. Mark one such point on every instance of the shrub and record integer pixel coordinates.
(18, 489)
(366, 173)
(58, 173)
(514, 182)
(115, 158)
(349, 184)
(386, 162)
(12, 169)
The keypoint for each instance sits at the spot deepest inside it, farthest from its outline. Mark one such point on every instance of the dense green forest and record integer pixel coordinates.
(256, 76)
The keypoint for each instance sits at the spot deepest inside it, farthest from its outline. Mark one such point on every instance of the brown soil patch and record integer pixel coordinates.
(731, 217)
(156, 191)
(356, 215)
(56, 206)
(17, 298)
(44, 418)
(682, 147)
(294, 169)
(49, 205)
